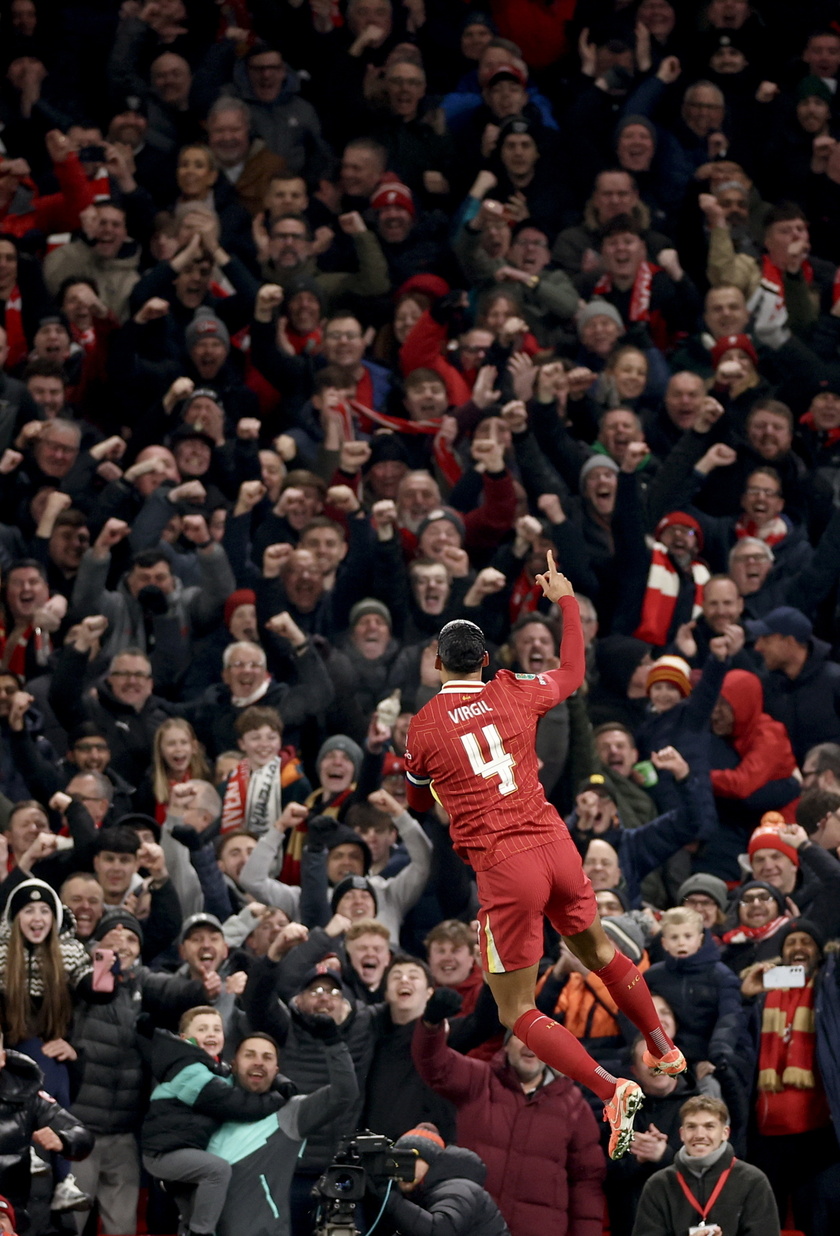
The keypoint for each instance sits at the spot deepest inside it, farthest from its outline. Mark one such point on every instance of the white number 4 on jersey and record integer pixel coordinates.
(500, 764)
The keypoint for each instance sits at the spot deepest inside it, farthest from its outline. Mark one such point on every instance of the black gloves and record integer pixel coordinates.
(321, 1026)
(443, 1003)
(319, 831)
(451, 311)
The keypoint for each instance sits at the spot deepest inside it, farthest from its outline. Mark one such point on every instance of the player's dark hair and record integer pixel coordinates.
(461, 647)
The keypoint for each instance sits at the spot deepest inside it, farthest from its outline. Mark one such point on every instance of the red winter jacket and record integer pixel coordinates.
(762, 743)
(57, 212)
(545, 1166)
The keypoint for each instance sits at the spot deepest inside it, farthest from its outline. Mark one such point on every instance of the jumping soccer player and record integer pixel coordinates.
(472, 748)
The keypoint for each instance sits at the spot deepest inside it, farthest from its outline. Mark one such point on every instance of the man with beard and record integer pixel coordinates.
(264, 1156)
(289, 1018)
(291, 256)
(411, 243)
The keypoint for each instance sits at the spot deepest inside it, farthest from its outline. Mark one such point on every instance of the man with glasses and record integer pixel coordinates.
(344, 344)
(287, 124)
(123, 708)
(291, 258)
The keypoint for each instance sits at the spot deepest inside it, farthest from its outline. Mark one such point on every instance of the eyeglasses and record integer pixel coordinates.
(130, 674)
(252, 665)
(752, 899)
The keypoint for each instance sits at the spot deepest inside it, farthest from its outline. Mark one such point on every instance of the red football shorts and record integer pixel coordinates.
(517, 892)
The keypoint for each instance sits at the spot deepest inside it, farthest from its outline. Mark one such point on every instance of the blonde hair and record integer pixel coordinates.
(200, 1010)
(199, 769)
(51, 1020)
(682, 916)
(705, 1103)
(364, 927)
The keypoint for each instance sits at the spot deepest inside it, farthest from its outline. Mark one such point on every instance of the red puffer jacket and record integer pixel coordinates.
(545, 1166)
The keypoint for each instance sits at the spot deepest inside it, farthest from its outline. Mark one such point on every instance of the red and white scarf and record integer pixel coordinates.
(368, 418)
(830, 436)
(15, 336)
(252, 800)
(663, 587)
(774, 281)
(747, 935)
(13, 648)
(771, 533)
(639, 297)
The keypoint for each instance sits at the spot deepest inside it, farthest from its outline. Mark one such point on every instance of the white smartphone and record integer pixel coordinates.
(784, 976)
(702, 1230)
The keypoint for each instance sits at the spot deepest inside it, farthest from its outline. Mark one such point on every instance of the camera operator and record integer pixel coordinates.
(263, 1154)
(447, 1185)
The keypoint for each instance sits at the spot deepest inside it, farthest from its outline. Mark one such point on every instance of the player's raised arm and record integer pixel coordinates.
(572, 670)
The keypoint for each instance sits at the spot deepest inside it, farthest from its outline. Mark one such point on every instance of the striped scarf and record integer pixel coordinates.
(786, 1050)
(660, 600)
(771, 533)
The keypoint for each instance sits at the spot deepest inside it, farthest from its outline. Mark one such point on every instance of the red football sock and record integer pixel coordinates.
(628, 988)
(559, 1049)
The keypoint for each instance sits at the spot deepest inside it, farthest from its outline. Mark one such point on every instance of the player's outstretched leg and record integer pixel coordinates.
(556, 1047)
(628, 988)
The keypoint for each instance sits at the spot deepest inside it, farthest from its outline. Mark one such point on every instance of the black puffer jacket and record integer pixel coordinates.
(450, 1199)
(113, 1079)
(25, 1107)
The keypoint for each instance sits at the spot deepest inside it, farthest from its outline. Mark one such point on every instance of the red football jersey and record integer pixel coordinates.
(473, 747)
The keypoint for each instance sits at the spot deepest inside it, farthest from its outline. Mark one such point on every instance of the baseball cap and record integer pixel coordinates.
(507, 73)
(202, 919)
(785, 620)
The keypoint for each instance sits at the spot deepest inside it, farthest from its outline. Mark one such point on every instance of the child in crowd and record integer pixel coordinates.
(193, 1096)
(704, 994)
(269, 777)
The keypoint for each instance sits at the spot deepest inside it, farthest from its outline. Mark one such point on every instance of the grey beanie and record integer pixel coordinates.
(340, 742)
(596, 461)
(205, 325)
(598, 309)
(369, 605)
(626, 935)
(710, 885)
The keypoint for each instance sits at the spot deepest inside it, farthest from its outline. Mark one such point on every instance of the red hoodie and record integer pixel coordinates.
(762, 743)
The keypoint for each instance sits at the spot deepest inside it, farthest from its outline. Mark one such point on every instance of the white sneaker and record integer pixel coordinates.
(37, 1165)
(68, 1196)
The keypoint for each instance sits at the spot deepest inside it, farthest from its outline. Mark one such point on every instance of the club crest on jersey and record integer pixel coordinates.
(468, 711)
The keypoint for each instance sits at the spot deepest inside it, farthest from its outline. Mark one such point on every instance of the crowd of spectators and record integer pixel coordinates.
(321, 321)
